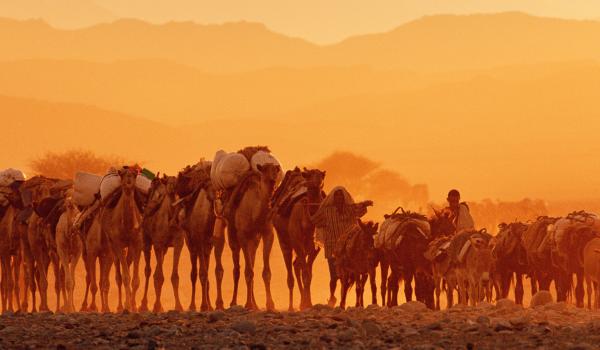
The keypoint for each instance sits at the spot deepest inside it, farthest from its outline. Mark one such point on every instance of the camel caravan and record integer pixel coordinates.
(246, 198)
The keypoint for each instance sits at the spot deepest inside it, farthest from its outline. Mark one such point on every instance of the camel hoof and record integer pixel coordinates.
(157, 308)
(250, 306)
(178, 308)
(192, 307)
(332, 301)
(205, 307)
(220, 305)
(143, 307)
(291, 309)
(270, 306)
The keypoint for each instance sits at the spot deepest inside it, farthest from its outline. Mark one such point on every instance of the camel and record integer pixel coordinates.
(161, 232)
(295, 230)
(69, 247)
(472, 256)
(39, 246)
(247, 222)
(510, 259)
(354, 251)
(121, 224)
(198, 223)
(96, 247)
(591, 271)
(9, 250)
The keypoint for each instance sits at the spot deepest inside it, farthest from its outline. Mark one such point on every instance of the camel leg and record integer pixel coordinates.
(344, 292)
(519, 290)
(158, 277)
(42, 277)
(126, 278)
(588, 282)
(450, 286)
(579, 291)
(106, 263)
(384, 276)
(119, 281)
(298, 267)
(268, 238)
(3, 283)
(219, 243)
(287, 259)
(393, 287)
(408, 289)
(372, 282)
(437, 280)
(62, 286)
(147, 273)
(193, 277)
(32, 286)
(235, 254)
(205, 262)
(249, 251)
(534, 284)
(28, 276)
(135, 279)
(91, 272)
(175, 273)
(16, 271)
(358, 280)
(70, 284)
(57, 285)
(308, 279)
(88, 282)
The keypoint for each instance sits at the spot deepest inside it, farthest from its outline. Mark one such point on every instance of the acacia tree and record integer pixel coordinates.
(64, 165)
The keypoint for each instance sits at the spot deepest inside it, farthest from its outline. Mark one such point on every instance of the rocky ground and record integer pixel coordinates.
(409, 326)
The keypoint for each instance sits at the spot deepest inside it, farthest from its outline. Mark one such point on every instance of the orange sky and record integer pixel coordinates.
(316, 20)
(499, 106)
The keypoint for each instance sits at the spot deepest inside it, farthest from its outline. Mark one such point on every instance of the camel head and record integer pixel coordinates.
(314, 178)
(128, 177)
(269, 173)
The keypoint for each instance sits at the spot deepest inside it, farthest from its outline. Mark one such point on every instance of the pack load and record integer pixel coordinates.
(144, 180)
(397, 225)
(193, 177)
(8, 176)
(85, 188)
(112, 181)
(562, 230)
(228, 169)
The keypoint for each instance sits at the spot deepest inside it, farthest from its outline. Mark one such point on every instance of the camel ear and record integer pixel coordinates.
(278, 168)
(259, 167)
(304, 169)
(323, 173)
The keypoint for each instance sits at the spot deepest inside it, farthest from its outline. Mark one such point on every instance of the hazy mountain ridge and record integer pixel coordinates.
(434, 43)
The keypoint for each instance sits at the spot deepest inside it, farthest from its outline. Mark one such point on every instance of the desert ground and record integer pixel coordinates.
(408, 326)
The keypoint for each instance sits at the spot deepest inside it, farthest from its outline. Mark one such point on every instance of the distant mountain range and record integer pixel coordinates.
(434, 43)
